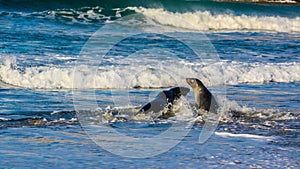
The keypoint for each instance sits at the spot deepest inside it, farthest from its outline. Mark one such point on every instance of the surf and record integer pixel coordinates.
(207, 21)
(47, 77)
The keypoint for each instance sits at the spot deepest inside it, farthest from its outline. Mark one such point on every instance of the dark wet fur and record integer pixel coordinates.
(203, 98)
(167, 99)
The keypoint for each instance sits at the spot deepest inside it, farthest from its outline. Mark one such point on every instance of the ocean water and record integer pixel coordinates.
(73, 74)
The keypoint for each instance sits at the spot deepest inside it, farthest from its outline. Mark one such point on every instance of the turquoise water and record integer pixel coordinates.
(57, 76)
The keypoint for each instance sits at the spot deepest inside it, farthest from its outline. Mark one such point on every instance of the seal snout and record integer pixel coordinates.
(188, 80)
(191, 81)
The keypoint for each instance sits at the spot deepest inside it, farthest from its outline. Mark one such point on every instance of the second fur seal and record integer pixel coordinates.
(203, 98)
(164, 100)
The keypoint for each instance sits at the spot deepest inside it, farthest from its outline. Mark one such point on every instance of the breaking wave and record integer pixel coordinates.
(207, 21)
(195, 20)
(128, 76)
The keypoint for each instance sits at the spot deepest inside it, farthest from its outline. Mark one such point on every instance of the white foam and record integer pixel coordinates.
(148, 76)
(226, 134)
(206, 21)
(232, 112)
(82, 15)
(237, 72)
(4, 119)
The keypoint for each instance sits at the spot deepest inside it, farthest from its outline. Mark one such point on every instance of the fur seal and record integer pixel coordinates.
(203, 98)
(164, 99)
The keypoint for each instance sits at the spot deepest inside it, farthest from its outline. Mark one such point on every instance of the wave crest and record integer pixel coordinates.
(206, 21)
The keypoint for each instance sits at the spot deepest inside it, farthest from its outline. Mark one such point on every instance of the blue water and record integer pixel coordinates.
(57, 78)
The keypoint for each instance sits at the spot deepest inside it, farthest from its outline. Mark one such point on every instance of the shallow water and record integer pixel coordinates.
(68, 146)
(55, 83)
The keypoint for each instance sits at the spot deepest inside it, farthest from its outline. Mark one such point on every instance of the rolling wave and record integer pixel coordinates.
(192, 15)
(128, 76)
(172, 5)
(207, 21)
(200, 20)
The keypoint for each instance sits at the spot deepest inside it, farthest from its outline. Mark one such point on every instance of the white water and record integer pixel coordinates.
(206, 21)
(226, 134)
(171, 73)
(82, 15)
